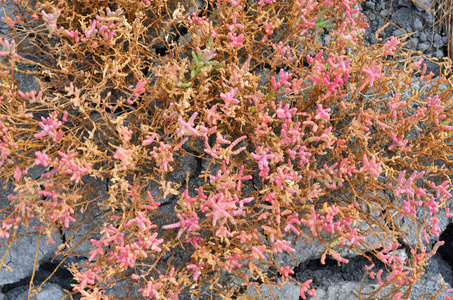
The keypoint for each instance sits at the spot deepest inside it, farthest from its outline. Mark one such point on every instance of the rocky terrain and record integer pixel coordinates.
(330, 281)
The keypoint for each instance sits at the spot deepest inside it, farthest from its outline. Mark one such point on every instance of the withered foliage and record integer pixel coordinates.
(187, 144)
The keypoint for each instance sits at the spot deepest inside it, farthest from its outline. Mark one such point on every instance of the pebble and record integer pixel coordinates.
(423, 47)
(370, 5)
(439, 54)
(418, 24)
(428, 18)
(397, 33)
(422, 36)
(438, 41)
(412, 44)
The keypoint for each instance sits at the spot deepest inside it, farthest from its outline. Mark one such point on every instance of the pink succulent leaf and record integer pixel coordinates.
(390, 45)
(371, 165)
(262, 157)
(124, 155)
(149, 139)
(138, 90)
(322, 113)
(41, 159)
(187, 128)
(373, 72)
(17, 174)
(188, 222)
(229, 98)
(151, 289)
(49, 125)
(197, 270)
(304, 288)
(236, 41)
(265, 1)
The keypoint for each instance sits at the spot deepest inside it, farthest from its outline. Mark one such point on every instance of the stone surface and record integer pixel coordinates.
(21, 255)
(423, 47)
(289, 291)
(49, 291)
(331, 281)
(418, 25)
(439, 54)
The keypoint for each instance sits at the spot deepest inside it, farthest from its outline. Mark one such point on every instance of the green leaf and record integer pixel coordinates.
(209, 42)
(321, 21)
(186, 84)
(446, 122)
(195, 58)
(324, 23)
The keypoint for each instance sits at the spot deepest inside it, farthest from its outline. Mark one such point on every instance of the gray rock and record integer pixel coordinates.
(439, 54)
(49, 291)
(380, 5)
(198, 5)
(288, 291)
(421, 5)
(406, 3)
(119, 291)
(439, 265)
(35, 172)
(422, 36)
(432, 67)
(403, 17)
(381, 22)
(411, 46)
(408, 20)
(186, 164)
(397, 33)
(423, 47)
(370, 5)
(429, 283)
(438, 42)
(429, 18)
(413, 42)
(21, 255)
(418, 24)
(384, 34)
(343, 290)
(372, 39)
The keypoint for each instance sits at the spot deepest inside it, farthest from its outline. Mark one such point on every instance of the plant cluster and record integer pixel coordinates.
(300, 131)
